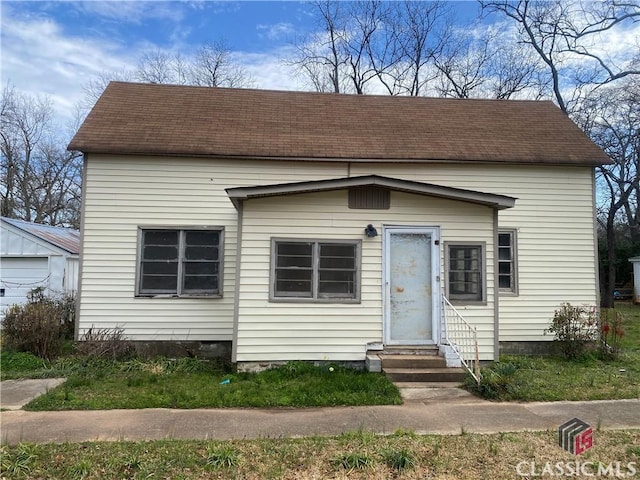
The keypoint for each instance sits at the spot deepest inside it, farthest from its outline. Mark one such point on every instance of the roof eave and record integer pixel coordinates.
(296, 158)
(500, 202)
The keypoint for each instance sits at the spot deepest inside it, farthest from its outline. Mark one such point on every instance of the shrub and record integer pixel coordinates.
(611, 333)
(21, 361)
(39, 326)
(352, 461)
(495, 380)
(224, 456)
(399, 459)
(107, 343)
(574, 328)
(18, 462)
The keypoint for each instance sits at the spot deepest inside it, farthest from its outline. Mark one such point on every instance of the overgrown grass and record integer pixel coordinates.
(356, 455)
(529, 378)
(190, 383)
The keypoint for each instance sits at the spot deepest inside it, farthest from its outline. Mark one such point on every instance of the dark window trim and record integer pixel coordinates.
(483, 272)
(514, 290)
(314, 294)
(180, 229)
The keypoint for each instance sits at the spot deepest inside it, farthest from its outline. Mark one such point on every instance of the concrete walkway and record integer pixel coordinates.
(436, 416)
(14, 394)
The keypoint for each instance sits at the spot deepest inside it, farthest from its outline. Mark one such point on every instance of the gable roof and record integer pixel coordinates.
(67, 239)
(131, 118)
(499, 202)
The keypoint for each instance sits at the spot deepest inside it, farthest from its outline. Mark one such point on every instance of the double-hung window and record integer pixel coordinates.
(466, 275)
(507, 271)
(180, 262)
(315, 270)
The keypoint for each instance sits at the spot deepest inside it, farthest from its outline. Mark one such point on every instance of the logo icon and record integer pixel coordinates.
(575, 436)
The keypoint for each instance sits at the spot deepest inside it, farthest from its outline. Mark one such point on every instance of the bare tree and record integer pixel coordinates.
(416, 33)
(213, 66)
(612, 119)
(478, 63)
(567, 36)
(40, 179)
(320, 58)
(357, 42)
(94, 88)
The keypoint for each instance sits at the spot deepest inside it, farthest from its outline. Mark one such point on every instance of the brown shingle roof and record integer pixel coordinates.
(134, 118)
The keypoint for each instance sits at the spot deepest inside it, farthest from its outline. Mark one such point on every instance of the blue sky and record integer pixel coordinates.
(57, 47)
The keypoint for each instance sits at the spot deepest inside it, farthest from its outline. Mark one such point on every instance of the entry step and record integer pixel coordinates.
(442, 374)
(412, 361)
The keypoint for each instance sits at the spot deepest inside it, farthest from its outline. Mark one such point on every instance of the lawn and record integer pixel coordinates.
(358, 455)
(530, 378)
(190, 383)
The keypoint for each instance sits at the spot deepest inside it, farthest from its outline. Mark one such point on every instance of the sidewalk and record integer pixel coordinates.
(435, 416)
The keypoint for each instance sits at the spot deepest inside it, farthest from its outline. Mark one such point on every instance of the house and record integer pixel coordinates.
(312, 226)
(34, 255)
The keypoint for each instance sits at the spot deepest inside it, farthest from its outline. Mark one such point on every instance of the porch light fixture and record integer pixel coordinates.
(370, 231)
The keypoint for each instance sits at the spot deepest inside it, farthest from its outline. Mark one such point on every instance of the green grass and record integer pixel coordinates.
(354, 456)
(189, 383)
(530, 378)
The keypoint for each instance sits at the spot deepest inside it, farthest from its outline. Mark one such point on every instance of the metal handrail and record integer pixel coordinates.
(462, 337)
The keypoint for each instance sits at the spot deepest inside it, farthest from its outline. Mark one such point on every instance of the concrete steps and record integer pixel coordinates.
(424, 368)
(442, 374)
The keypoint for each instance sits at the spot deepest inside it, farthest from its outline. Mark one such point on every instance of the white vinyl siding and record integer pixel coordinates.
(125, 192)
(269, 331)
(554, 220)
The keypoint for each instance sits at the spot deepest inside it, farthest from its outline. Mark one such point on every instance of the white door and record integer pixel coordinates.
(19, 276)
(412, 264)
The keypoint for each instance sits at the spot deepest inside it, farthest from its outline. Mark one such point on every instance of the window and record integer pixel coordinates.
(315, 270)
(507, 275)
(465, 267)
(180, 262)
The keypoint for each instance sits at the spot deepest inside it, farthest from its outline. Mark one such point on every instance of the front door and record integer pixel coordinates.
(412, 261)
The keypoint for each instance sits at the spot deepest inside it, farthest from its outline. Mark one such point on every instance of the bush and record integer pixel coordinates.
(39, 326)
(574, 328)
(495, 380)
(107, 343)
(611, 333)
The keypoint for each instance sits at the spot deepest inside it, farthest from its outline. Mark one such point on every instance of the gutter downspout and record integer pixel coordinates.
(496, 289)
(236, 293)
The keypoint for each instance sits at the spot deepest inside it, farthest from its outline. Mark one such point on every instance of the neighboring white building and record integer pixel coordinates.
(315, 226)
(34, 255)
(636, 278)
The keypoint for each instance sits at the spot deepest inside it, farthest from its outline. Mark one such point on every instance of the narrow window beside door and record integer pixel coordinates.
(507, 265)
(465, 271)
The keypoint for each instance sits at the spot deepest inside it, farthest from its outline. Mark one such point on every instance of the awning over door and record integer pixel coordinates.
(499, 202)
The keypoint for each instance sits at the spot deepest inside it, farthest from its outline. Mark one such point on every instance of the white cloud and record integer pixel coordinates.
(131, 11)
(276, 31)
(38, 58)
